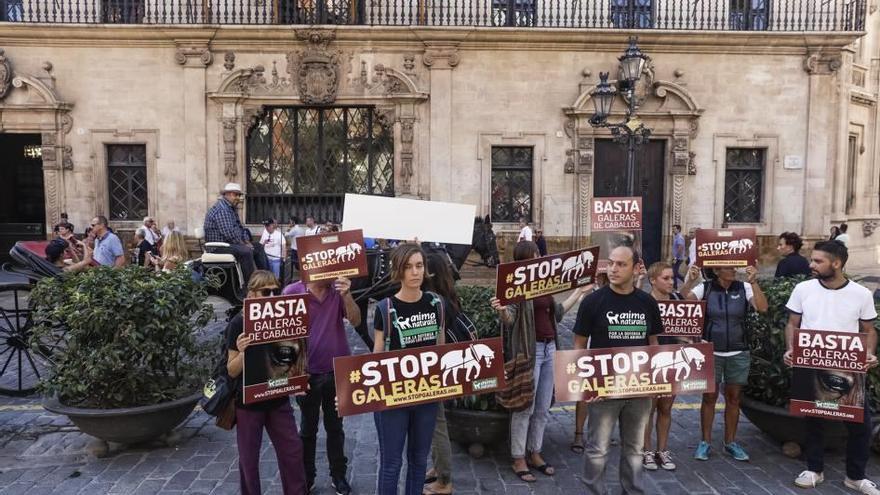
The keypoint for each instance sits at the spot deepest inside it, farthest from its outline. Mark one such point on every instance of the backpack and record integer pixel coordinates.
(220, 389)
(389, 315)
(461, 329)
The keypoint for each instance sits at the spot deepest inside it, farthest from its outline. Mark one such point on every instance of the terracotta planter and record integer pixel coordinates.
(127, 425)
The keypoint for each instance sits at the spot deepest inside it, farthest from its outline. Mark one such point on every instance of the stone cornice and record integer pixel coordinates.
(260, 38)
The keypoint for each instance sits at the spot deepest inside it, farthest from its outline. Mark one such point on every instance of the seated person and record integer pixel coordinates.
(55, 255)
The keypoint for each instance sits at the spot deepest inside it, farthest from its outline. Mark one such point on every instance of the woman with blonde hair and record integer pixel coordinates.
(174, 253)
(274, 415)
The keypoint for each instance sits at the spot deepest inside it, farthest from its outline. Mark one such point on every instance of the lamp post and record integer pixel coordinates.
(631, 132)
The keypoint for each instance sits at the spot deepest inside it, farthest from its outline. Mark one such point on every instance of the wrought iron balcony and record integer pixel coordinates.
(708, 15)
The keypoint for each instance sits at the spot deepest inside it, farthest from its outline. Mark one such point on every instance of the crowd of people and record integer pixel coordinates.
(530, 329)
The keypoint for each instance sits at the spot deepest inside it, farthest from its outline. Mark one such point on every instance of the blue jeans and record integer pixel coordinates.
(275, 266)
(414, 426)
(527, 426)
(633, 416)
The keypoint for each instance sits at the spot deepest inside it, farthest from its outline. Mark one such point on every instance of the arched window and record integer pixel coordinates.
(302, 160)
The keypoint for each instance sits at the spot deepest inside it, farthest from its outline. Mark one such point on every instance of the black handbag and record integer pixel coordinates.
(217, 393)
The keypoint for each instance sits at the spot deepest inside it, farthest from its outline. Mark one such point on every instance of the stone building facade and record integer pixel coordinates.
(768, 128)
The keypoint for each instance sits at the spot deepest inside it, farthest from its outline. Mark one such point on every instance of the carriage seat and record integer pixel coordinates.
(218, 258)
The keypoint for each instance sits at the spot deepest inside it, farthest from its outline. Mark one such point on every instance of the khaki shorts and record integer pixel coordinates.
(733, 370)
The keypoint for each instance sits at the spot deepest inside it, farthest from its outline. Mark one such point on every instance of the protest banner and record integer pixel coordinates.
(619, 372)
(616, 214)
(332, 255)
(736, 247)
(828, 378)
(388, 380)
(682, 318)
(527, 279)
(275, 361)
(427, 221)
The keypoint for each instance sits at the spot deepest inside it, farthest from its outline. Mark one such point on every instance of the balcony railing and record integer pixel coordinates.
(711, 15)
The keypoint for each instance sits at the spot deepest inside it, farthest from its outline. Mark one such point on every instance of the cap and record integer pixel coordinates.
(232, 187)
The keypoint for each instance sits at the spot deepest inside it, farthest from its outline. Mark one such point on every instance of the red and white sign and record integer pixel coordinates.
(682, 318)
(616, 214)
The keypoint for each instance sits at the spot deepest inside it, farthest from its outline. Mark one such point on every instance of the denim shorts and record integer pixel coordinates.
(733, 370)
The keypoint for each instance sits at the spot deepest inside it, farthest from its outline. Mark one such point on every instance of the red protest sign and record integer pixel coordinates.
(388, 380)
(528, 279)
(736, 247)
(275, 361)
(682, 318)
(828, 380)
(642, 371)
(332, 255)
(614, 214)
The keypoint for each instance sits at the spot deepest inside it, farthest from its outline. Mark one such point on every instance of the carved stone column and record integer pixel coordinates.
(823, 127)
(407, 134)
(583, 169)
(195, 59)
(440, 60)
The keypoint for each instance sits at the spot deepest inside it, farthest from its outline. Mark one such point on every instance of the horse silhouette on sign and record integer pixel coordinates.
(575, 266)
(472, 359)
(681, 361)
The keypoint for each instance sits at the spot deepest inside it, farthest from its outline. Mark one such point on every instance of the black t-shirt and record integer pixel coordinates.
(793, 264)
(233, 330)
(143, 248)
(414, 324)
(609, 319)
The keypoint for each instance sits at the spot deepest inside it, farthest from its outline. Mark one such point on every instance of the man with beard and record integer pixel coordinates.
(222, 225)
(832, 302)
(617, 315)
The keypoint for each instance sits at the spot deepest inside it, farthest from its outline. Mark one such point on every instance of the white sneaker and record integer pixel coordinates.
(809, 479)
(649, 461)
(867, 487)
(665, 460)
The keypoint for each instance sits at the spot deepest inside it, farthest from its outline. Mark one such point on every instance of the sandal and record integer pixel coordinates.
(432, 490)
(523, 474)
(546, 469)
(430, 476)
(578, 447)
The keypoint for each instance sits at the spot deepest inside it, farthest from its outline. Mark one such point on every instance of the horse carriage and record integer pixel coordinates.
(22, 364)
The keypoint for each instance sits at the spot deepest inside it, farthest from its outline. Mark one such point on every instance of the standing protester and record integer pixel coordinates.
(274, 415)
(792, 263)
(661, 276)
(727, 304)
(678, 255)
(525, 232)
(832, 302)
(530, 328)
(843, 237)
(328, 303)
(438, 481)
(580, 408)
(643, 323)
(274, 245)
(422, 315)
(223, 225)
(108, 248)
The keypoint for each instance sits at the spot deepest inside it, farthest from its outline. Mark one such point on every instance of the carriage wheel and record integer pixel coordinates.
(21, 367)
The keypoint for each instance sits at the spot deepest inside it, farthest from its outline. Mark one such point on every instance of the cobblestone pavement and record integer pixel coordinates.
(43, 453)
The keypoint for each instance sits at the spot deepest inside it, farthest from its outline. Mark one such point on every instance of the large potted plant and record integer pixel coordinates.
(476, 420)
(130, 367)
(765, 401)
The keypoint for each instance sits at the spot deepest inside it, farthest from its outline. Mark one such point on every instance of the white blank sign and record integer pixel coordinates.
(405, 219)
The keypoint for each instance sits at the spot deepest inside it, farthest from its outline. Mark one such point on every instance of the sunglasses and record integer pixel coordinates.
(269, 291)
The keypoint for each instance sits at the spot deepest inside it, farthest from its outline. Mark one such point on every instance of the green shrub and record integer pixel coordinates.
(770, 378)
(475, 304)
(130, 336)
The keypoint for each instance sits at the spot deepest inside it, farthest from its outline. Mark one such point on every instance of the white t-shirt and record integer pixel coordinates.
(844, 238)
(698, 292)
(149, 235)
(838, 310)
(293, 233)
(313, 230)
(692, 252)
(525, 234)
(273, 243)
